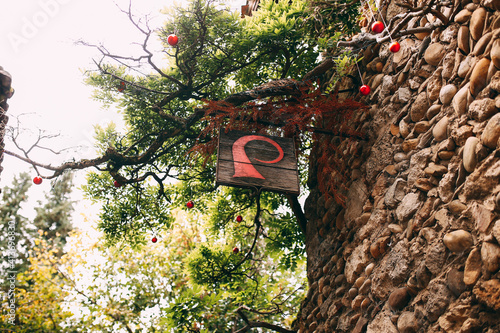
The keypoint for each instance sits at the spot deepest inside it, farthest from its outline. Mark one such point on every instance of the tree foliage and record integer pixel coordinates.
(16, 235)
(224, 73)
(174, 108)
(40, 293)
(51, 217)
(330, 17)
(31, 300)
(94, 287)
(166, 111)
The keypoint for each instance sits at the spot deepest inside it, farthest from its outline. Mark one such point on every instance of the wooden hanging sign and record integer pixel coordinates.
(253, 160)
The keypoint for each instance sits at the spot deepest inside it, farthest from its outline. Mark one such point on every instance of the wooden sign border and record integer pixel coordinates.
(289, 156)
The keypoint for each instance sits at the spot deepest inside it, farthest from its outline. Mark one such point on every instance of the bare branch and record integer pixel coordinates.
(82, 164)
(364, 39)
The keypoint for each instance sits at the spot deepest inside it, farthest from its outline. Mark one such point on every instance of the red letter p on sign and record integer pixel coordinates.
(242, 165)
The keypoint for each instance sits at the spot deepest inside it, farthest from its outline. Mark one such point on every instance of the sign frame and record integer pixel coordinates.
(250, 160)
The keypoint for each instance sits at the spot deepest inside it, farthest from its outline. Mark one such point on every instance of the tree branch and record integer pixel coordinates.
(258, 226)
(258, 324)
(298, 212)
(365, 39)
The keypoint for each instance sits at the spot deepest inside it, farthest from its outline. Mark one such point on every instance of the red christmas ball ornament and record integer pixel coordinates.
(117, 184)
(37, 180)
(236, 250)
(239, 218)
(190, 204)
(377, 27)
(172, 40)
(394, 47)
(154, 239)
(364, 89)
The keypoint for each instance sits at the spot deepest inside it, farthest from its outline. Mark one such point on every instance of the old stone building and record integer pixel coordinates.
(416, 246)
(6, 92)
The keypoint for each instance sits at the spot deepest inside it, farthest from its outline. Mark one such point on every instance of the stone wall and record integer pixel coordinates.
(6, 92)
(416, 246)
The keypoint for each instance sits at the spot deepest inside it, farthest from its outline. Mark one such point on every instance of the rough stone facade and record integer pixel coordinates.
(6, 92)
(416, 247)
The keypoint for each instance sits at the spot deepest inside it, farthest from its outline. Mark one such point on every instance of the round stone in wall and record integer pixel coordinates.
(470, 156)
(459, 101)
(463, 16)
(479, 76)
(477, 23)
(490, 256)
(463, 39)
(419, 107)
(440, 131)
(495, 53)
(465, 66)
(491, 132)
(434, 53)
(447, 93)
(481, 44)
(399, 298)
(458, 241)
(473, 265)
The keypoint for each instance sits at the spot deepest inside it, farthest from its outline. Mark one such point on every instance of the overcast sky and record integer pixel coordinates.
(37, 46)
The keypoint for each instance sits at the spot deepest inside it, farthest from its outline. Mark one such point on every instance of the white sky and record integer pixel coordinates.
(37, 47)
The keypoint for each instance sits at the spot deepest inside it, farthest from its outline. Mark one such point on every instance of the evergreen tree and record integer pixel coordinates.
(16, 233)
(28, 248)
(53, 218)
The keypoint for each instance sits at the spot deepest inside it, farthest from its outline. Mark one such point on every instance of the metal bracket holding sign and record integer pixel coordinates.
(252, 160)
